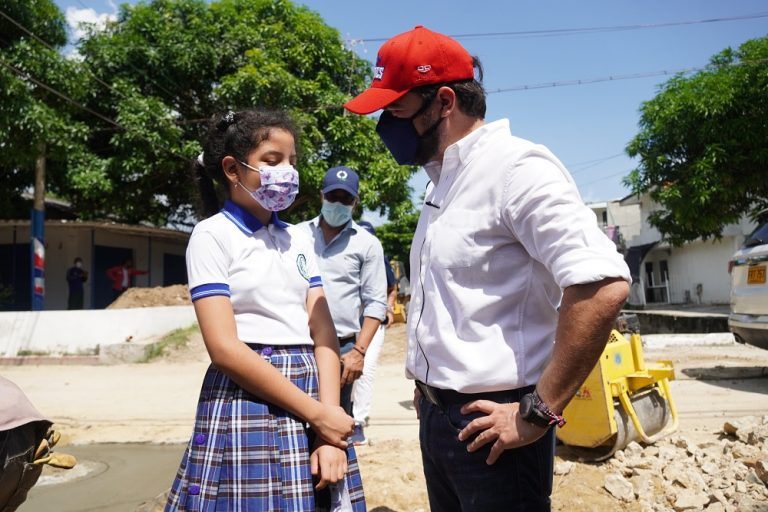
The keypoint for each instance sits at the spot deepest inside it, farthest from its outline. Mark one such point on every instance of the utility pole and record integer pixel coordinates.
(37, 245)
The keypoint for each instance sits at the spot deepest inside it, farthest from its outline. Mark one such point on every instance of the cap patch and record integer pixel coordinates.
(424, 68)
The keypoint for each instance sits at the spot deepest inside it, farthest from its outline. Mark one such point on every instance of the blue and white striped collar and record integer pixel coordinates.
(245, 221)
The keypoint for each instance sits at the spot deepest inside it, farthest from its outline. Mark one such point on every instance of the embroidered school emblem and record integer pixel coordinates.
(301, 264)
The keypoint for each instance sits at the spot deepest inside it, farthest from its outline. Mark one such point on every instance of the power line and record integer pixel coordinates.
(606, 177)
(591, 163)
(85, 65)
(582, 30)
(26, 76)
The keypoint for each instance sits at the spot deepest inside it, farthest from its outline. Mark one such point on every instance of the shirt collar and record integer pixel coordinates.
(245, 221)
(465, 148)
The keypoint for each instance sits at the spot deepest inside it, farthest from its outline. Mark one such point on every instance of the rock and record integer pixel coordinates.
(686, 476)
(633, 448)
(689, 500)
(733, 427)
(715, 507)
(564, 467)
(619, 487)
(761, 469)
(752, 478)
(710, 468)
(749, 454)
(643, 486)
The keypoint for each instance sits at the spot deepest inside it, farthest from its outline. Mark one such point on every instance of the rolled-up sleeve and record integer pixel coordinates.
(373, 283)
(545, 212)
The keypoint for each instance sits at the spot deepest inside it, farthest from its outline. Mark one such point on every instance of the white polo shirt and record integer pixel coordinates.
(265, 271)
(503, 231)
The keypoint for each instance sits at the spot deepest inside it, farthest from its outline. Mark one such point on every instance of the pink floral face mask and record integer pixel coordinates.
(279, 186)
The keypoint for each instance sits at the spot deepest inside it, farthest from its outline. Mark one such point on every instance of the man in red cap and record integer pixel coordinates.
(514, 286)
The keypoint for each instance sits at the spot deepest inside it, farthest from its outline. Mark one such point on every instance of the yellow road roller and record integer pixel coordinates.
(624, 399)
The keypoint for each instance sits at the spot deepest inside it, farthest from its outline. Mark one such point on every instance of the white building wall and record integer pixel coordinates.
(64, 243)
(705, 264)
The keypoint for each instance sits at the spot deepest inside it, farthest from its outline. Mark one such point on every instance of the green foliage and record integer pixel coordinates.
(33, 118)
(173, 340)
(702, 145)
(159, 72)
(396, 236)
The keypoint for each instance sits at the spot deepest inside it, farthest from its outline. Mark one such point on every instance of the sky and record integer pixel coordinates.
(587, 126)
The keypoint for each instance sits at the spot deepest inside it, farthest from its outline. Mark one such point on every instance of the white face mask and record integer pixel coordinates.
(79, 264)
(336, 214)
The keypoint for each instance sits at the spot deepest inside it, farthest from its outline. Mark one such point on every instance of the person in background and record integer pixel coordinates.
(76, 277)
(350, 261)
(122, 276)
(269, 432)
(362, 390)
(515, 287)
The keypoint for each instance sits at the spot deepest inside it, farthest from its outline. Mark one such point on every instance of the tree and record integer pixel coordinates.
(170, 64)
(702, 146)
(34, 118)
(396, 236)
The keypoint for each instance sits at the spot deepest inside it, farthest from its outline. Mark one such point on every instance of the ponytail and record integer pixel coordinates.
(209, 199)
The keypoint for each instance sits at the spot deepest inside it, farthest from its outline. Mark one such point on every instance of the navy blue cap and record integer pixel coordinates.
(342, 178)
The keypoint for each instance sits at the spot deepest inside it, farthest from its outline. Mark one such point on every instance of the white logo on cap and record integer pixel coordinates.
(342, 175)
(424, 68)
(378, 72)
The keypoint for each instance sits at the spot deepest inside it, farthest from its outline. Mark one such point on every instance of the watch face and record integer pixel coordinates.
(526, 405)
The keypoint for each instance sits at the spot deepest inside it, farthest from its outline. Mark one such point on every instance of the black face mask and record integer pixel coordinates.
(404, 142)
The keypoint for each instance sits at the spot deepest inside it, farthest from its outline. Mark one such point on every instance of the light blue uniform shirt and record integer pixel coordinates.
(353, 276)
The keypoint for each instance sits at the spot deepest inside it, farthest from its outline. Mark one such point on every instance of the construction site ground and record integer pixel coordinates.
(127, 425)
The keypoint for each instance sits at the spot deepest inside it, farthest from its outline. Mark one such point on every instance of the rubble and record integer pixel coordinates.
(677, 474)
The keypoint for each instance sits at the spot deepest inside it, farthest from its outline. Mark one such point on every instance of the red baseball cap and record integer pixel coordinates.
(412, 59)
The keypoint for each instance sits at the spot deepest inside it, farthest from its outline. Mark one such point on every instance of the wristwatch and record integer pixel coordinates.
(535, 411)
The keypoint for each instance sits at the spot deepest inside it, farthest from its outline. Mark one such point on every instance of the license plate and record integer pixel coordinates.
(756, 275)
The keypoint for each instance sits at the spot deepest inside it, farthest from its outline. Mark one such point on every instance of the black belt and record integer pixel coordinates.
(347, 339)
(444, 398)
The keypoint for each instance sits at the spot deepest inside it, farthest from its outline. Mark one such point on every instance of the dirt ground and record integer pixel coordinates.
(176, 295)
(90, 405)
(392, 469)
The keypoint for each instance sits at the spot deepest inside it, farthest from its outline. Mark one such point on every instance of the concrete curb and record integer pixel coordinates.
(688, 340)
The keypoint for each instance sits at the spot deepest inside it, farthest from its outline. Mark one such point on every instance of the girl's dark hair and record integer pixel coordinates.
(470, 94)
(235, 134)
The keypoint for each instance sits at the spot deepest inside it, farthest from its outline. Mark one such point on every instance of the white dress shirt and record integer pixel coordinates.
(503, 231)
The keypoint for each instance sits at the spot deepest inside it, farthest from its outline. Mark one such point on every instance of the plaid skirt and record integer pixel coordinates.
(246, 454)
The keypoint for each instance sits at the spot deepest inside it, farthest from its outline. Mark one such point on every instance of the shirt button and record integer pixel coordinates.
(200, 439)
(266, 351)
(194, 490)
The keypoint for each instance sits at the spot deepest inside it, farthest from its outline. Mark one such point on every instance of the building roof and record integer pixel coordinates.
(114, 227)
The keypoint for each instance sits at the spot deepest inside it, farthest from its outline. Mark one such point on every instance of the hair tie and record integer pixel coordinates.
(226, 121)
(200, 159)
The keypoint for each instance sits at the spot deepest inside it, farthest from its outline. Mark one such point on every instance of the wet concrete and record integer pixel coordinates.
(120, 478)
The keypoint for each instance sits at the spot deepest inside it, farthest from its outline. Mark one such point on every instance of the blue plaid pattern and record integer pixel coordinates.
(249, 455)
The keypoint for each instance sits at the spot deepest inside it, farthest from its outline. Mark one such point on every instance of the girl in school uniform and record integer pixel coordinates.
(268, 419)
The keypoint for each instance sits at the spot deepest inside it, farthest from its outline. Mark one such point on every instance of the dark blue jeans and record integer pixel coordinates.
(520, 480)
